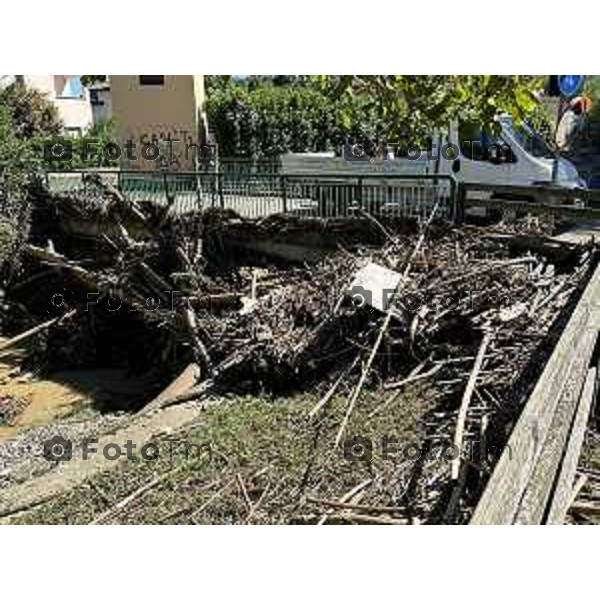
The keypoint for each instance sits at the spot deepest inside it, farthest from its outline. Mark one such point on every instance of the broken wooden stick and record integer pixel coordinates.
(347, 496)
(35, 330)
(244, 491)
(186, 380)
(216, 495)
(466, 400)
(384, 327)
(113, 511)
(368, 519)
(359, 507)
(255, 506)
(327, 397)
(579, 485)
(53, 258)
(200, 350)
(413, 376)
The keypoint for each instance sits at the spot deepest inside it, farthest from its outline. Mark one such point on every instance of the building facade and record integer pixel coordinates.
(160, 120)
(70, 97)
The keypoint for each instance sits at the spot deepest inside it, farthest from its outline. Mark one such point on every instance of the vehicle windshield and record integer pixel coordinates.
(528, 139)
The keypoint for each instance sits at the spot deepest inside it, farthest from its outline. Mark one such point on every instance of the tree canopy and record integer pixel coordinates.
(31, 113)
(411, 106)
(268, 115)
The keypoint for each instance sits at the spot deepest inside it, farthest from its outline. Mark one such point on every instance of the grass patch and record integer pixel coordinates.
(263, 448)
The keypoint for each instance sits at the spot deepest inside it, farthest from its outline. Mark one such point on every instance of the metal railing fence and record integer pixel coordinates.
(256, 195)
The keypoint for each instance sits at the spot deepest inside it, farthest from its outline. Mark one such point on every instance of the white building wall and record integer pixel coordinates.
(75, 112)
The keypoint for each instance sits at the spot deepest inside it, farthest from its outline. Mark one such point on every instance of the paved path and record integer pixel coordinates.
(67, 475)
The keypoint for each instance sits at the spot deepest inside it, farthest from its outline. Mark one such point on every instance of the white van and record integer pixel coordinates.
(517, 156)
(524, 159)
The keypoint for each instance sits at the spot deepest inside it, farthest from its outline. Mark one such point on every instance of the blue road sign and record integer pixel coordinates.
(570, 85)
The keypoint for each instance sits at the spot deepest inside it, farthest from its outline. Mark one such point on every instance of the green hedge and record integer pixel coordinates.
(272, 120)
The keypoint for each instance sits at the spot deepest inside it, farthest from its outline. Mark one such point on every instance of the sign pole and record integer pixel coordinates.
(559, 114)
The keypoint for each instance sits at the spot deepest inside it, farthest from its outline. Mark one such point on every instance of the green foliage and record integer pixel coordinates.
(31, 113)
(592, 87)
(543, 122)
(410, 107)
(95, 141)
(270, 115)
(17, 164)
(215, 83)
(17, 156)
(268, 119)
(8, 239)
(88, 80)
(25, 115)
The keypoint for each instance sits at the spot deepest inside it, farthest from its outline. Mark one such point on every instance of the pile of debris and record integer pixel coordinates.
(106, 281)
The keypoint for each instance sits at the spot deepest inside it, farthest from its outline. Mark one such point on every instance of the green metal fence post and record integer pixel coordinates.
(198, 189)
(220, 189)
(166, 186)
(359, 193)
(284, 192)
(460, 195)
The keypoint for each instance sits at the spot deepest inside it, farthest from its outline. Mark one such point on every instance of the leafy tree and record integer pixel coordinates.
(217, 83)
(95, 142)
(268, 115)
(88, 80)
(31, 113)
(17, 162)
(17, 156)
(267, 119)
(410, 107)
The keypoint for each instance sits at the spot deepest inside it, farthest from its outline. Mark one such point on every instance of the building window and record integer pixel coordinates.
(68, 86)
(95, 98)
(152, 79)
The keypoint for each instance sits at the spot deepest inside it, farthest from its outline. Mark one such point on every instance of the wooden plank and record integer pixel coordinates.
(466, 400)
(539, 489)
(187, 379)
(579, 485)
(563, 492)
(501, 498)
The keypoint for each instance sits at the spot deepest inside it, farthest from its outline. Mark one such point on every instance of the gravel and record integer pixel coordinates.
(22, 458)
